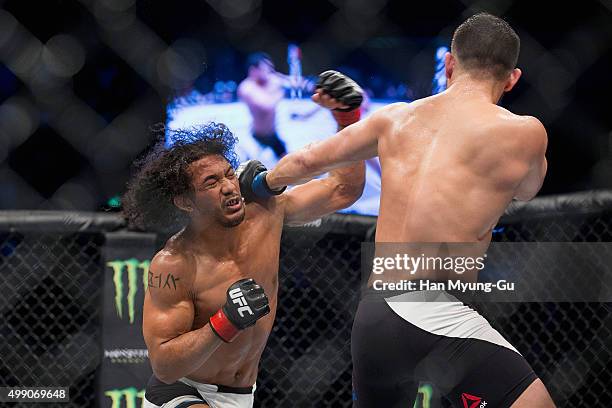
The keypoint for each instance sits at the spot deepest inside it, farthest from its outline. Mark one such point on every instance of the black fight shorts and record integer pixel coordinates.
(401, 341)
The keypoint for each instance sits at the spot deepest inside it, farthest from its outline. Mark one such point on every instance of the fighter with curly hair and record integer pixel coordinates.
(212, 290)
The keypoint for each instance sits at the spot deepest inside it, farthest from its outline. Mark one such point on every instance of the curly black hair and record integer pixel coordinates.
(162, 175)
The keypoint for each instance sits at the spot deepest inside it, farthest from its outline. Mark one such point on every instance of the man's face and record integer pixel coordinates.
(216, 191)
(262, 71)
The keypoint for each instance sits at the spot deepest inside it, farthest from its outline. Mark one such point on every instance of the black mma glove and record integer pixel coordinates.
(344, 90)
(252, 178)
(246, 303)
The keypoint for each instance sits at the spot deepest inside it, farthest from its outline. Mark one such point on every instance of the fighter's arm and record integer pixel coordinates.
(342, 155)
(175, 350)
(310, 201)
(536, 148)
(351, 145)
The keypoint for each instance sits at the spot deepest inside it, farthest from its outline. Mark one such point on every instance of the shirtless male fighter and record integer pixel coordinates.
(212, 290)
(451, 164)
(262, 90)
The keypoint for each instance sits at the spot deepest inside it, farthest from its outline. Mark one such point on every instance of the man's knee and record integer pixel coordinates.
(535, 396)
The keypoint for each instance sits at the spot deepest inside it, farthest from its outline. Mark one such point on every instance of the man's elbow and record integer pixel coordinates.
(350, 188)
(164, 375)
(523, 197)
(349, 193)
(526, 194)
(165, 379)
(163, 371)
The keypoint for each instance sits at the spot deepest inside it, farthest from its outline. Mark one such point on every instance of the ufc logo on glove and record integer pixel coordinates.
(238, 298)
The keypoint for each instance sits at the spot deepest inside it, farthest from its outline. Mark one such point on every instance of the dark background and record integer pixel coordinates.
(82, 82)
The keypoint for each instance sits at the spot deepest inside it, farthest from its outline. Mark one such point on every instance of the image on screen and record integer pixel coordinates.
(271, 114)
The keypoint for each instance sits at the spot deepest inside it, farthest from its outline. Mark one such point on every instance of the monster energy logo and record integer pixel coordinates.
(129, 395)
(426, 391)
(133, 267)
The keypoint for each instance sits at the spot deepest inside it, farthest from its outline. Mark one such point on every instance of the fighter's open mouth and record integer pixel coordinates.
(232, 202)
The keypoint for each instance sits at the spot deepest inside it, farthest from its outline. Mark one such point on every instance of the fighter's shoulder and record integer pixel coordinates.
(533, 125)
(389, 114)
(170, 278)
(171, 260)
(393, 109)
(270, 210)
(245, 87)
(523, 126)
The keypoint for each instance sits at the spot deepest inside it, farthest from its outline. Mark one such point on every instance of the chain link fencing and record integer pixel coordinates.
(51, 284)
(86, 87)
(569, 345)
(51, 280)
(85, 84)
(50, 309)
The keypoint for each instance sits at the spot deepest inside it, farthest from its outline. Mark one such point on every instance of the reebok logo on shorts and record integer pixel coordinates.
(472, 401)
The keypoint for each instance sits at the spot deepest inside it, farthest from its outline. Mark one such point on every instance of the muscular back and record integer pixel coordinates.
(450, 167)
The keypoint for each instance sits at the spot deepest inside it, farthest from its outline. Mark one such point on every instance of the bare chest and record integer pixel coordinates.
(257, 258)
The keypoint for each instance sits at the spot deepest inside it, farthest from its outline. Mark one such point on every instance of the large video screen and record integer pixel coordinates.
(272, 119)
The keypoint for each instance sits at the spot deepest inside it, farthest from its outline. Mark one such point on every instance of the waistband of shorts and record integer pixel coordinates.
(271, 135)
(224, 389)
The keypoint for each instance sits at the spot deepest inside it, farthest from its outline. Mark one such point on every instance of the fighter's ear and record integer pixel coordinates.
(183, 203)
(449, 65)
(512, 79)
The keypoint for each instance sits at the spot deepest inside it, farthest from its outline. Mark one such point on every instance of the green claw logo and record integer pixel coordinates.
(426, 391)
(132, 267)
(129, 395)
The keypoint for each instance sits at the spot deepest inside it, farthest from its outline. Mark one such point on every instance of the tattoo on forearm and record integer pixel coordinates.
(162, 281)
